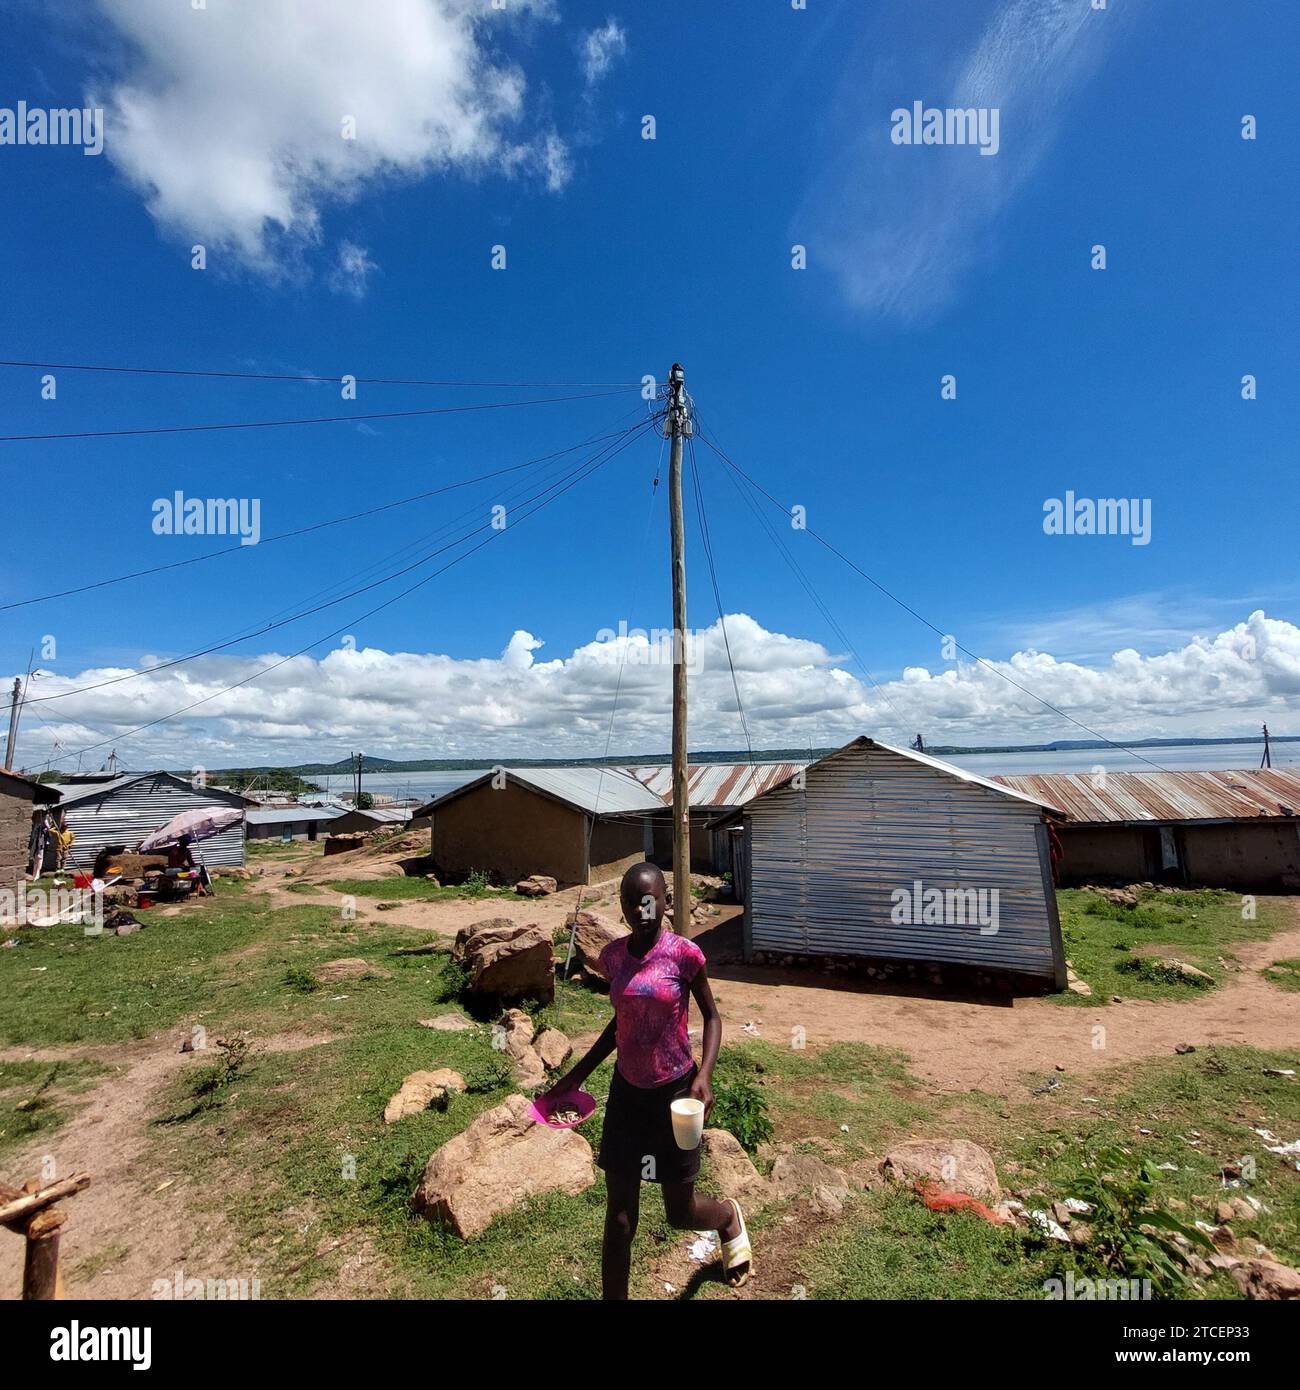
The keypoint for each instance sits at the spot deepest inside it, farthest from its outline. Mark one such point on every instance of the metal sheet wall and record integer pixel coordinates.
(127, 815)
(827, 859)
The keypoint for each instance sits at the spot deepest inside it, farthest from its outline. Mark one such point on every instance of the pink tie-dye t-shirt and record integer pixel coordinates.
(651, 999)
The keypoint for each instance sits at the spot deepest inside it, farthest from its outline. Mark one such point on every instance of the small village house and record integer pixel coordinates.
(574, 824)
(19, 798)
(1238, 830)
(712, 790)
(119, 813)
(884, 853)
(292, 822)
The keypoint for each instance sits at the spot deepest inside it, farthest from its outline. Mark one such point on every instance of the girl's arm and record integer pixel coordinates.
(580, 1071)
(702, 1086)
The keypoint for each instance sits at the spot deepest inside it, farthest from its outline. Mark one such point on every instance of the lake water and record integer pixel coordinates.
(1174, 758)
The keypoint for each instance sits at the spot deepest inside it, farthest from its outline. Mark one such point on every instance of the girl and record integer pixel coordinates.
(650, 974)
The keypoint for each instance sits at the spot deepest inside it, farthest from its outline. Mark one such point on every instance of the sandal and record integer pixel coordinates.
(736, 1252)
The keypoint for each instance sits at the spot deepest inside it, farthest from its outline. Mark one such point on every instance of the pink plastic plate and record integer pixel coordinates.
(542, 1107)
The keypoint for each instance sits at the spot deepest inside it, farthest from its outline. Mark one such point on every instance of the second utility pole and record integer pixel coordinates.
(679, 426)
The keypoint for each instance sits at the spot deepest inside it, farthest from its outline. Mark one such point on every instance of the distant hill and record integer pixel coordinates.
(344, 767)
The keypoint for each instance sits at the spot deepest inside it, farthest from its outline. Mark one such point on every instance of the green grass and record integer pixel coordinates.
(1108, 943)
(290, 1150)
(1201, 1111)
(38, 1098)
(1284, 973)
(401, 889)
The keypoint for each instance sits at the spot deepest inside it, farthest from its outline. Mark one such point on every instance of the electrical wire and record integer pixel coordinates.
(309, 378)
(162, 719)
(717, 594)
(979, 660)
(306, 420)
(238, 546)
(261, 630)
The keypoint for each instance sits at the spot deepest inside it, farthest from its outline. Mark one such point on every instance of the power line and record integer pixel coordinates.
(717, 594)
(988, 666)
(262, 630)
(811, 590)
(304, 530)
(162, 719)
(310, 378)
(308, 420)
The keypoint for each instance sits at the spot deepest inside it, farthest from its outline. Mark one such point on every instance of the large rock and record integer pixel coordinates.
(730, 1169)
(490, 929)
(349, 968)
(513, 1034)
(793, 1173)
(501, 1160)
(950, 1165)
(1266, 1279)
(507, 961)
(553, 1047)
(536, 886)
(419, 1091)
(448, 1023)
(594, 931)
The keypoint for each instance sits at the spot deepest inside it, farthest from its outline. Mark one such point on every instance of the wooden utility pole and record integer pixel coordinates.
(1267, 759)
(15, 706)
(679, 426)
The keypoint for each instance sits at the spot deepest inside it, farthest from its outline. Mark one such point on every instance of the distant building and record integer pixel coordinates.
(378, 818)
(120, 813)
(1238, 830)
(18, 799)
(886, 853)
(292, 822)
(574, 824)
(712, 789)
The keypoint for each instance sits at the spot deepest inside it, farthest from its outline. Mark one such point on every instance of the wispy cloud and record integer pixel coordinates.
(903, 225)
(599, 48)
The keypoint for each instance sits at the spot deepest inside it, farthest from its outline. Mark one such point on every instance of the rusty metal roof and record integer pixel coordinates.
(1155, 797)
(717, 784)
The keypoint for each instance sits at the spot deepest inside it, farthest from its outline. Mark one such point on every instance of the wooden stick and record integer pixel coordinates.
(41, 1281)
(19, 1209)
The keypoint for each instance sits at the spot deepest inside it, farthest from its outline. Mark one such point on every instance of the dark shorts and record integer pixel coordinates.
(637, 1140)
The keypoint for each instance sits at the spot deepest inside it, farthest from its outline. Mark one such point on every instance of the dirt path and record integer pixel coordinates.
(992, 1045)
(135, 1223)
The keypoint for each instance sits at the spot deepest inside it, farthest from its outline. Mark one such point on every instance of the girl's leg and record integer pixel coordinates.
(689, 1212)
(622, 1206)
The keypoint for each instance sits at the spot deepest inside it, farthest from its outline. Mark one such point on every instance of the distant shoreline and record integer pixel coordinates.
(344, 768)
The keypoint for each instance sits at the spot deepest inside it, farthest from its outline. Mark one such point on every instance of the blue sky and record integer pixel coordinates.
(1120, 127)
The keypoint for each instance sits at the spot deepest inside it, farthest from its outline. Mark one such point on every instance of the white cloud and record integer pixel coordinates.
(352, 270)
(796, 693)
(903, 225)
(231, 120)
(599, 49)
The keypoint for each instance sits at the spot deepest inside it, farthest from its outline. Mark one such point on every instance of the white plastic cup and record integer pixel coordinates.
(688, 1123)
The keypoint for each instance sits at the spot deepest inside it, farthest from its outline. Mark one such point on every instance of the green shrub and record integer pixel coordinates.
(1132, 1235)
(741, 1108)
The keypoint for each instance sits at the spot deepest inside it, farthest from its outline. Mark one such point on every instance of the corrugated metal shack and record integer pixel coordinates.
(575, 824)
(291, 822)
(712, 790)
(120, 813)
(1237, 830)
(881, 852)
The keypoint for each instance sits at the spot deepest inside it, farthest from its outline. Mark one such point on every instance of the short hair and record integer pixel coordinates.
(640, 872)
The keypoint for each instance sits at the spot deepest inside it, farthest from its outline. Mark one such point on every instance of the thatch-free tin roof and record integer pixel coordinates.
(1161, 797)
